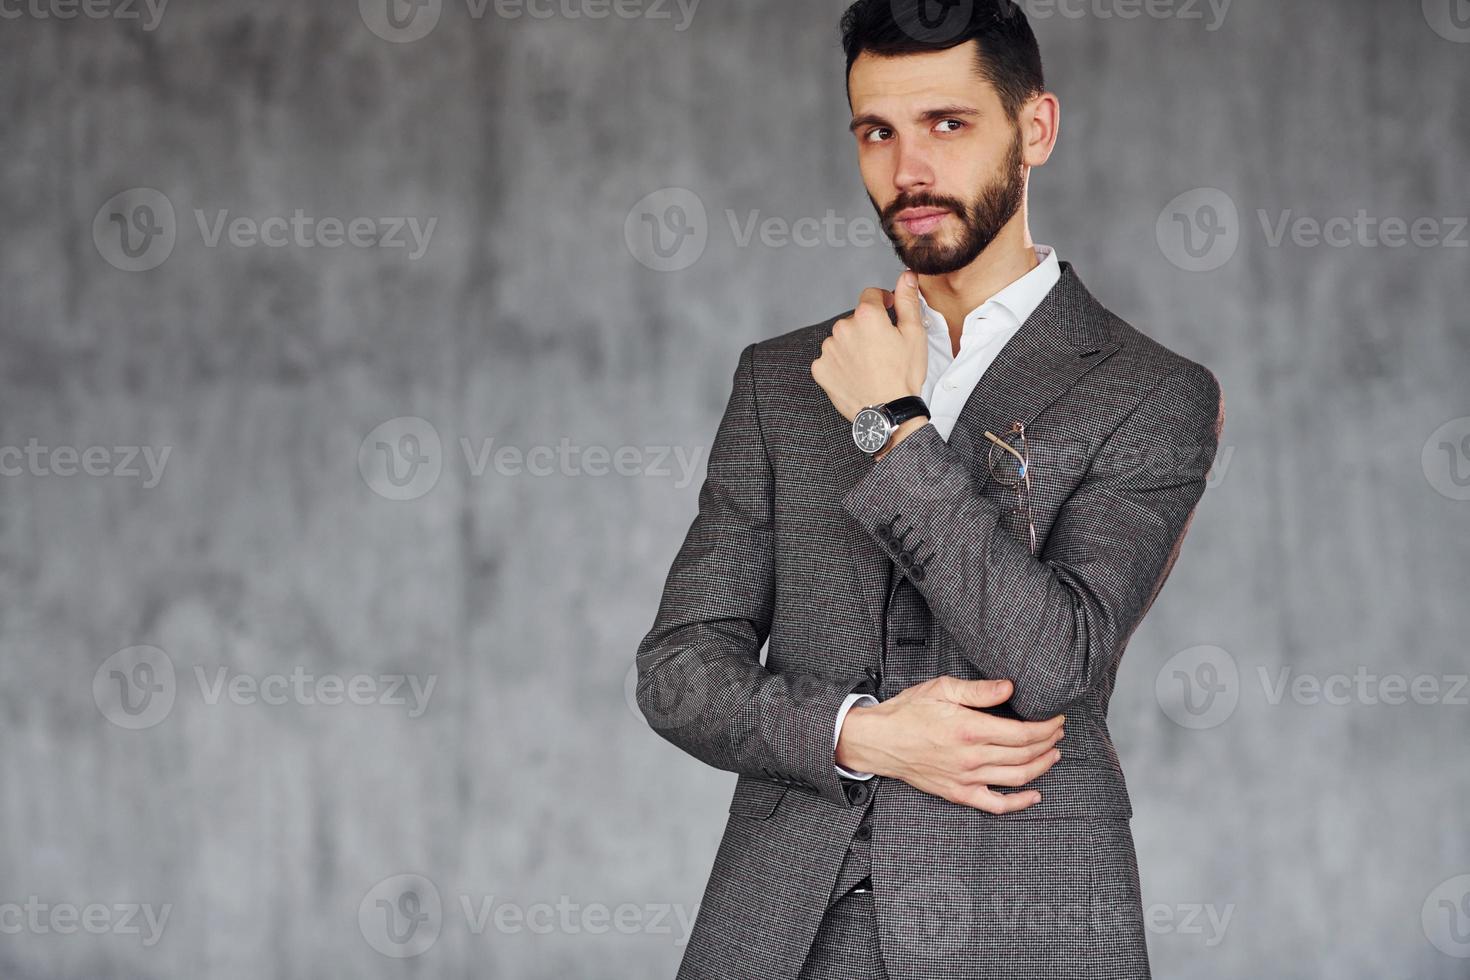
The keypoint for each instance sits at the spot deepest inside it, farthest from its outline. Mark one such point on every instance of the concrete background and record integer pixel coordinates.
(1279, 834)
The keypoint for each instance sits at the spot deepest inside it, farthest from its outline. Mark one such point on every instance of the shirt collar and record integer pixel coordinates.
(1019, 299)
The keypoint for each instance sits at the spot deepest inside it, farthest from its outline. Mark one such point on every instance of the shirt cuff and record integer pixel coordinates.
(848, 702)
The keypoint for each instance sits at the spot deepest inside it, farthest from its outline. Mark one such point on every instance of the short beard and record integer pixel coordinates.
(980, 222)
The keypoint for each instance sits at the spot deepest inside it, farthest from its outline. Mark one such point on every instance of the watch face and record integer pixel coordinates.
(870, 430)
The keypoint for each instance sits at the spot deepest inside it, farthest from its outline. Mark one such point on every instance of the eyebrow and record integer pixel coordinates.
(928, 115)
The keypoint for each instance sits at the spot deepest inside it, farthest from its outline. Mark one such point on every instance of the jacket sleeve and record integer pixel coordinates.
(1054, 624)
(701, 684)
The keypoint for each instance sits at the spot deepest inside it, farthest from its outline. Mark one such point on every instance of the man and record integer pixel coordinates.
(947, 510)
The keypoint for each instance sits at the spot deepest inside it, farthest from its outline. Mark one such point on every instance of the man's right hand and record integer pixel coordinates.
(930, 736)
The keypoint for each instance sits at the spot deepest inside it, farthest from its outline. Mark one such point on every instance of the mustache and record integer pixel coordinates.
(923, 201)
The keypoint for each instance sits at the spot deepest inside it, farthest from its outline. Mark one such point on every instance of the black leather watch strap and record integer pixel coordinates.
(900, 410)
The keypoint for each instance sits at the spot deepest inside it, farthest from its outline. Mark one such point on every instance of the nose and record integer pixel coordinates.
(912, 171)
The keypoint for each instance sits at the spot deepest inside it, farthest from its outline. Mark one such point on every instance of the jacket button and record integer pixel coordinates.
(906, 560)
(857, 793)
(864, 831)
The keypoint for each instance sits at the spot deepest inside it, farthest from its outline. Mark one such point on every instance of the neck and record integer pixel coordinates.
(956, 295)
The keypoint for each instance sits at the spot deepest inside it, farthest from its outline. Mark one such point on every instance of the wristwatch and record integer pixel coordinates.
(874, 425)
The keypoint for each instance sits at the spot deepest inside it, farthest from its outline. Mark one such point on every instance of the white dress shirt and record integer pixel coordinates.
(951, 377)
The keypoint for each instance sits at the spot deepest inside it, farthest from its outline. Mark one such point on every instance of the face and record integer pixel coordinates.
(944, 166)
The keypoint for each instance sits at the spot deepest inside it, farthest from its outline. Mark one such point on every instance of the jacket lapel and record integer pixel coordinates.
(1063, 339)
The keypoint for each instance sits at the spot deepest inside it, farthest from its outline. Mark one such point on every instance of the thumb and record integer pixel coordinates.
(980, 694)
(906, 303)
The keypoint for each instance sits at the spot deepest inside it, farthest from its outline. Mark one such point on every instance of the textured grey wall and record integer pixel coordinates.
(1281, 832)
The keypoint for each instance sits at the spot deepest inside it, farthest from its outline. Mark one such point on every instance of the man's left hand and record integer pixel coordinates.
(866, 361)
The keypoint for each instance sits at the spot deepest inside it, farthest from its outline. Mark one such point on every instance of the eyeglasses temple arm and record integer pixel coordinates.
(1006, 446)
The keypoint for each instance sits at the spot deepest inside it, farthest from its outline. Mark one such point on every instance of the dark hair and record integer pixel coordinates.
(1008, 57)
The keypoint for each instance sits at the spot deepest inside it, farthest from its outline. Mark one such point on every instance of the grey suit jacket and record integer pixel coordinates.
(793, 544)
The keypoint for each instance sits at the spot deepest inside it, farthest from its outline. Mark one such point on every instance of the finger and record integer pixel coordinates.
(873, 297)
(1007, 731)
(1007, 755)
(1017, 775)
(906, 303)
(889, 300)
(992, 802)
(977, 693)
